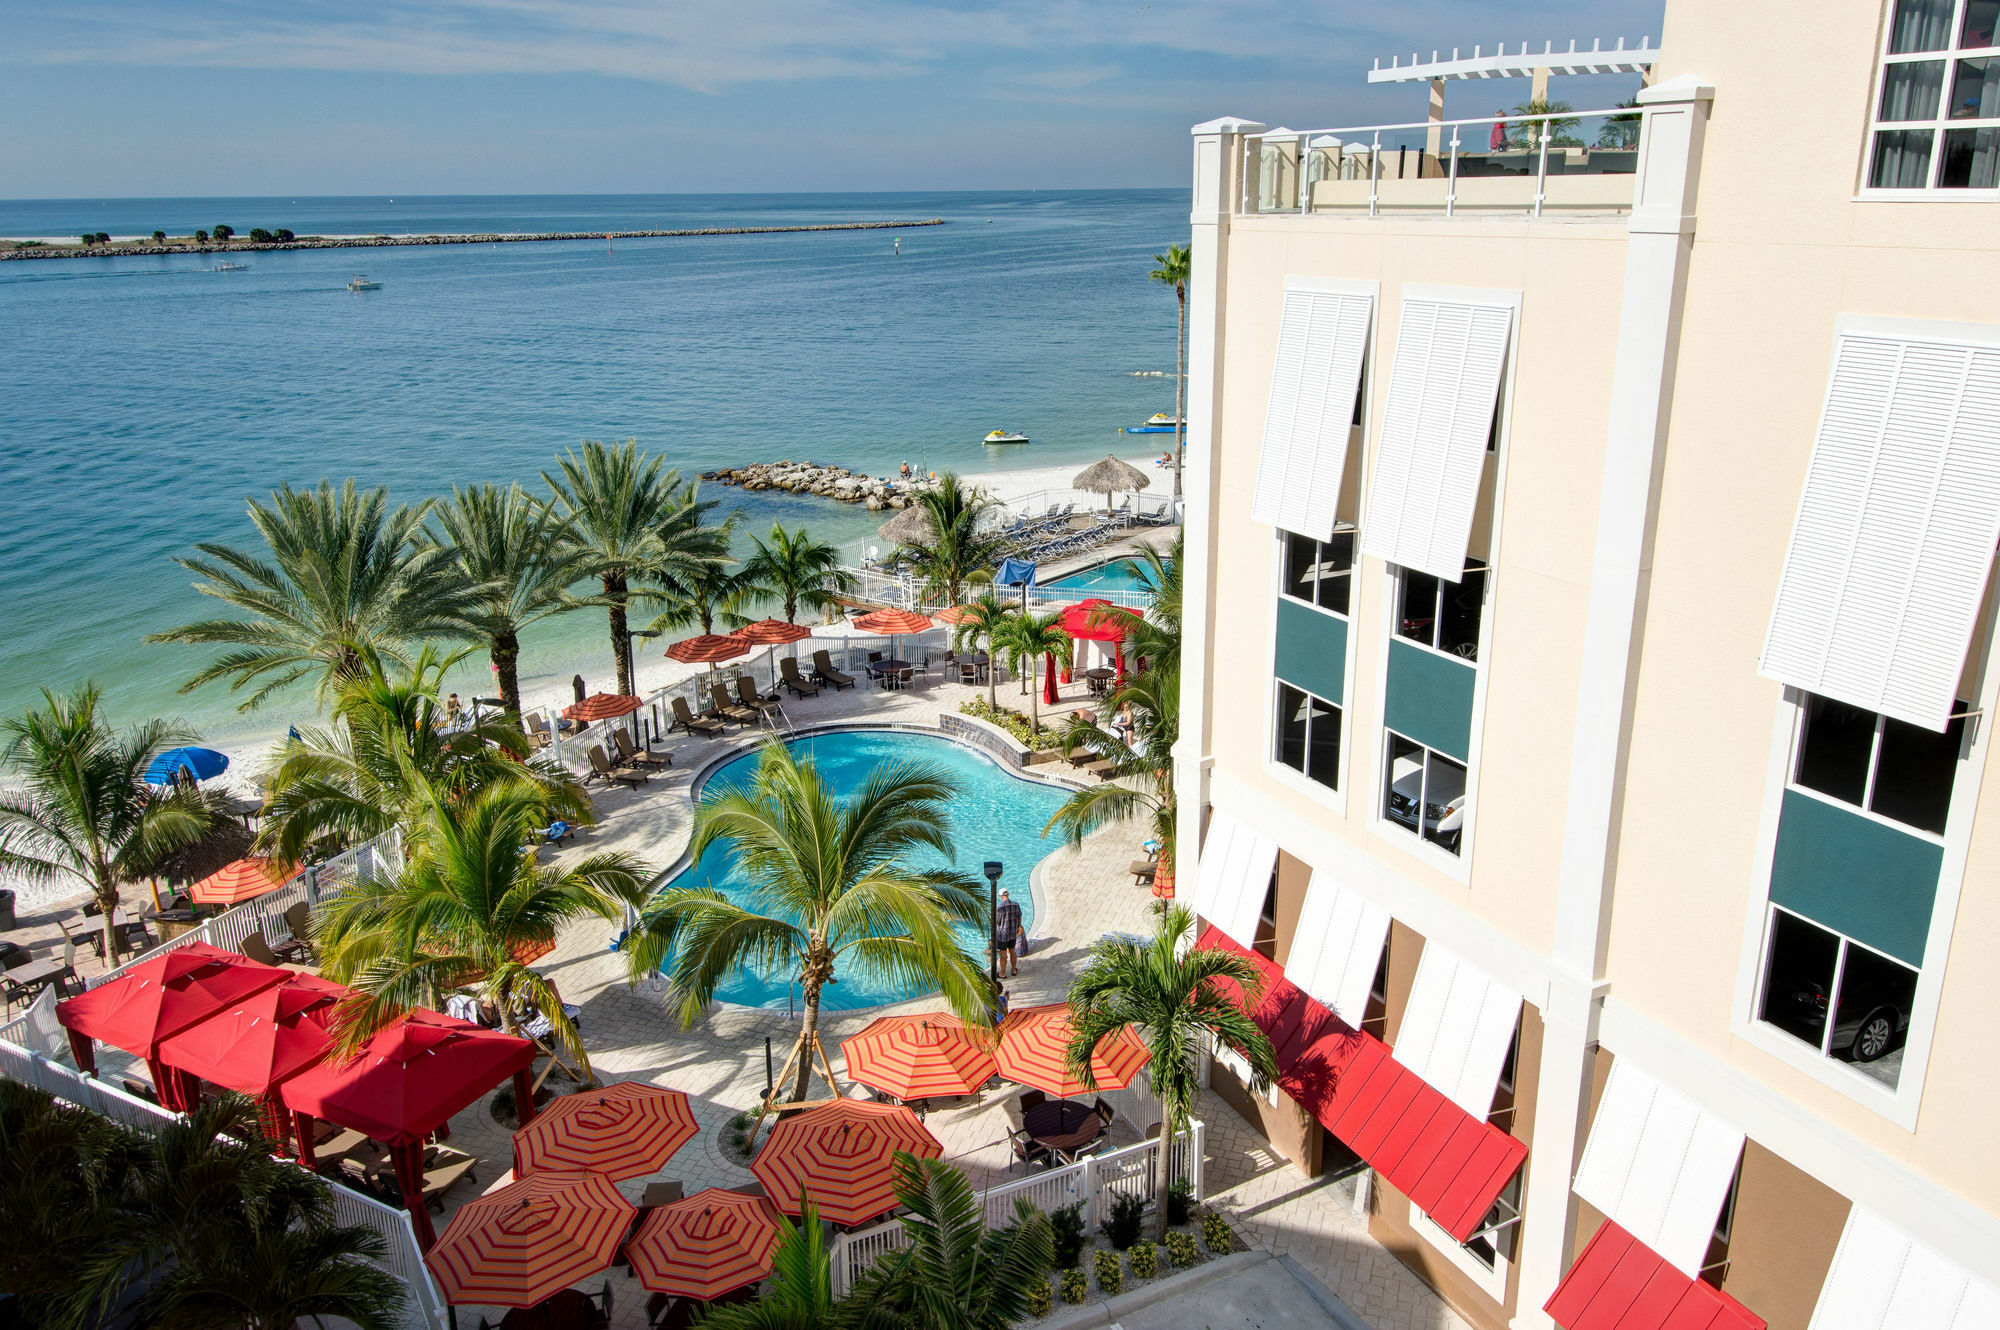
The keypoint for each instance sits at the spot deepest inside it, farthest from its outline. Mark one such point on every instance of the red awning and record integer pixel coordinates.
(1450, 1164)
(411, 1077)
(1619, 1283)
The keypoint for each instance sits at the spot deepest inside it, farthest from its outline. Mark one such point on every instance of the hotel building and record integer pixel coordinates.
(1590, 668)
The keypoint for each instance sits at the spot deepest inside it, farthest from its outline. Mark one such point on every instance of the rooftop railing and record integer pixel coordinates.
(1568, 161)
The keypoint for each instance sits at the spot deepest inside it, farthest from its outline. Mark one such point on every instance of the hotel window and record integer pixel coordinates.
(1443, 615)
(1499, 1234)
(1889, 767)
(1309, 735)
(1424, 792)
(1320, 572)
(1937, 112)
(1847, 1000)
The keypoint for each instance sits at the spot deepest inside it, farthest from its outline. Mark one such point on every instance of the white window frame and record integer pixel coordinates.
(1490, 1280)
(1833, 989)
(1353, 570)
(1340, 757)
(1416, 842)
(1396, 580)
(1938, 123)
(1334, 801)
(1868, 789)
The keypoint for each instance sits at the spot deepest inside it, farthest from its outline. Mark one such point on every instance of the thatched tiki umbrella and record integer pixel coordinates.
(1108, 476)
(912, 526)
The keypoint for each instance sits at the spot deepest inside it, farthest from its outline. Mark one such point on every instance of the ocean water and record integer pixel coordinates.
(143, 399)
(997, 815)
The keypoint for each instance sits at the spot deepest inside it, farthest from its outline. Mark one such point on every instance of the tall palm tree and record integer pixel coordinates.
(955, 548)
(630, 517)
(1027, 640)
(1168, 996)
(1140, 782)
(63, 1176)
(955, 1274)
(516, 553)
(831, 884)
(708, 596)
(388, 749)
(985, 617)
(343, 571)
(1175, 268)
(1156, 638)
(81, 812)
(802, 572)
(470, 902)
(798, 1293)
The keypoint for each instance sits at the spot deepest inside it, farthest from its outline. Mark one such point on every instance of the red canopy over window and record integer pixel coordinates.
(1619, 1283)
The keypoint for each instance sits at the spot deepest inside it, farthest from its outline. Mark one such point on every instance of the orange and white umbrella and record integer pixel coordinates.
(712, 1243)
(245, 879)
(1034, 1050)
(917, 1057)
(891, 623)
(625, 1130)
(709, 649)
(602, 706)
(841, 1157)
(520, 1244)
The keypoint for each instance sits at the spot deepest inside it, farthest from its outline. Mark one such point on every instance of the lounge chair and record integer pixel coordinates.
(747, 694)
(538, 731)
(600, 766)
(446, 1168)
(788, 674)
(298, 947)
(685, 719)
(724, 707)
(824, 672)
(257, 949)
(631, 755)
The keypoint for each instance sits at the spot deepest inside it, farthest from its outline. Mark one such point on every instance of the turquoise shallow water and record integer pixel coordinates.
(995, 816)
(142, 399)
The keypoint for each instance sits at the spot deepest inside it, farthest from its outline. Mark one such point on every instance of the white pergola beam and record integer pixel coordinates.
(1522, 63)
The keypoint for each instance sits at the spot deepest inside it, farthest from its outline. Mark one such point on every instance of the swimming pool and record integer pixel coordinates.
(997, 815)
(1098, 579)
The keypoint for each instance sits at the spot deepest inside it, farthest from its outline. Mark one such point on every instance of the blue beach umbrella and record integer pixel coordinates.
(201, 763)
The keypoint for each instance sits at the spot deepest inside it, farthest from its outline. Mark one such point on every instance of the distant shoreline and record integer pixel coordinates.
(114, 250)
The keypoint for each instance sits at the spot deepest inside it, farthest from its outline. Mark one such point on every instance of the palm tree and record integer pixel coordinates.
(798, 1293)
(343, 572)
(470, 902)
(1168, 996)
(1141, 779)
(372, 770)
(830, 883)
(955, 548)
(1027, 638)
(63, 1176)
(707, 595)
(803, 572)
(517, 554)
(1156, 638)
(955, 1274)
(630, 517)
(985, 617)
(1176, 267)
(82, 812)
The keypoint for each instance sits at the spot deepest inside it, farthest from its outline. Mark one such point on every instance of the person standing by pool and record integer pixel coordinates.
(1006, 935)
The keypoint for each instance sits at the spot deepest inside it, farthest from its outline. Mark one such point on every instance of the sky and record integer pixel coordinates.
(162, 98)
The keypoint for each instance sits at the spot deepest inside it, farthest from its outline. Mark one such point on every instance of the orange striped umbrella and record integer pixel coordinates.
(954, 615)
(603, 706)
(713, 1242)
(708, 649)
(626, 1130)
(1034, 1050)
(243, 880)
(771, 632)
(916, 1057)
(891, 623)
(519, 1245)
(841, 1157)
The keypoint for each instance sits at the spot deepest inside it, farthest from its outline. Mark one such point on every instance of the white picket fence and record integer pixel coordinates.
(1095, 1182)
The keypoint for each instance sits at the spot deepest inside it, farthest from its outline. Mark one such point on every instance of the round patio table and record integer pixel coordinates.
(1062, 1124)
(567, 1310)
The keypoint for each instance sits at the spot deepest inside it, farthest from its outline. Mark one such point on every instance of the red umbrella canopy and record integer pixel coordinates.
(1034, 1050)
(841, 1157)
(526, 1241)
(771, 633)
(916, 1057)
(1095, 620)
(713, 1242)
(156, 1000)
(953, 615)
(709, 649)
(242, 880)
(603, 706)
(625, 1130)
(267, 1038)
(410, 1077)
(891, 623)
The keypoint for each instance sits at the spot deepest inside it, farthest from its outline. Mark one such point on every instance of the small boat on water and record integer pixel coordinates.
(1004, 436)
(227, 266)
(361, 283)
(1158, 423)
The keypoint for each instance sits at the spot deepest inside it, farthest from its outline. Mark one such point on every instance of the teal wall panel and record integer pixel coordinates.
(1430, 699)
(1855, 875)
(1312, 651)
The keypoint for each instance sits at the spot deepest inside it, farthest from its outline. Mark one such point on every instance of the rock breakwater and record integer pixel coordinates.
(828, 482)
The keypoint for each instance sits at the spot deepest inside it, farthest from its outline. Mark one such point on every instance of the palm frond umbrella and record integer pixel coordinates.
(1109, 476)
(912, 526)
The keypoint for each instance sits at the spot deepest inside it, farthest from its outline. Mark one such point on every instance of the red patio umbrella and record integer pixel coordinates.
(772, 633)
(891, 624)
(710, 1244)
(708, 649)
(409, 1079)
(255, 1046)
(626, 1130)
(840, 1157)
(1098, 620)
(954, 615)
(156, 1000)
(1034, 1050)
(520, 1244)
(917, 1057)
(243, 880)
(602, 706)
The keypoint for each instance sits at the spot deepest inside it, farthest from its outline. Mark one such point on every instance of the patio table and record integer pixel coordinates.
(36, 975)
(1062, 1124)
(568, 1310)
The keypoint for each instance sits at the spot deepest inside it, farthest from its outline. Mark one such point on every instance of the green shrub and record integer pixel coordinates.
(1070, 1235)
(1075, 1287)
(1144, 1260)
(1127, 1219)
(1215, 1234)
(1013, 722)
(1180, 1203)
(1041, 1298)
(736, 1137)
(1181, 1249)
(1110, 1273)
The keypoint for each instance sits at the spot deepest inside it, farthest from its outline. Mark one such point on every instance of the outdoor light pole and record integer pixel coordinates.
(993, 919)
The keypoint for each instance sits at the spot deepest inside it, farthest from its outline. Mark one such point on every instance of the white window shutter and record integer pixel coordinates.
(1337, 948)
(1658, 1166)
(1315, 376)
(1457, 1027)
(1233, 877)
(1883, 1279)
(1443, 390)
(1896, 529)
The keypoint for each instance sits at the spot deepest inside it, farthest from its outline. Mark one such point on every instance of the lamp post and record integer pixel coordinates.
(992, 919)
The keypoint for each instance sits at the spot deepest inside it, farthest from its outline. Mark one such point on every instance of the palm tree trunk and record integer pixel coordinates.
(992, 675)
(1180, 390)
(621, 640)
(506, 655)
(1035, 697)
(107, 904)
(1163, 1174)
(808, 1029)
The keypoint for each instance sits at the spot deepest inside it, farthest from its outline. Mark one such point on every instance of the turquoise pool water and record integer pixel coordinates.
(1097, 580)
(996, 815)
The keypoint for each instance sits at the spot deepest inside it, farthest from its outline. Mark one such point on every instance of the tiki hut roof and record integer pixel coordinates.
(1110, 475)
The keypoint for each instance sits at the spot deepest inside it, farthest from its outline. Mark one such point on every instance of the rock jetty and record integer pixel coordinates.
(828, 482)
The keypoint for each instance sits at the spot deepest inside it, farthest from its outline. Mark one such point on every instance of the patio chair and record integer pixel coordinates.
(1028, 1151)
(662, 1193)
(538, 731)
(824, 672)
(747, 694)
(1032, 1099)
(1105, 1112)
(788, 673)
(631, 755)
(1094, 1146)
(138, 1090)
(684, 719)
(443, 1170)
(258, 949)
(875, 656)
(600, 766)
(724, 707)
(1142, 871)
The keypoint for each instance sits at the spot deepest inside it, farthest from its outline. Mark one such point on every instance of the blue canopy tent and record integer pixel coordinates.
(198, 763)
(1017, 572)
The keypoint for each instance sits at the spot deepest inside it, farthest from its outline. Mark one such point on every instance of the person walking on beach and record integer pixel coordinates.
(1006, 935)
